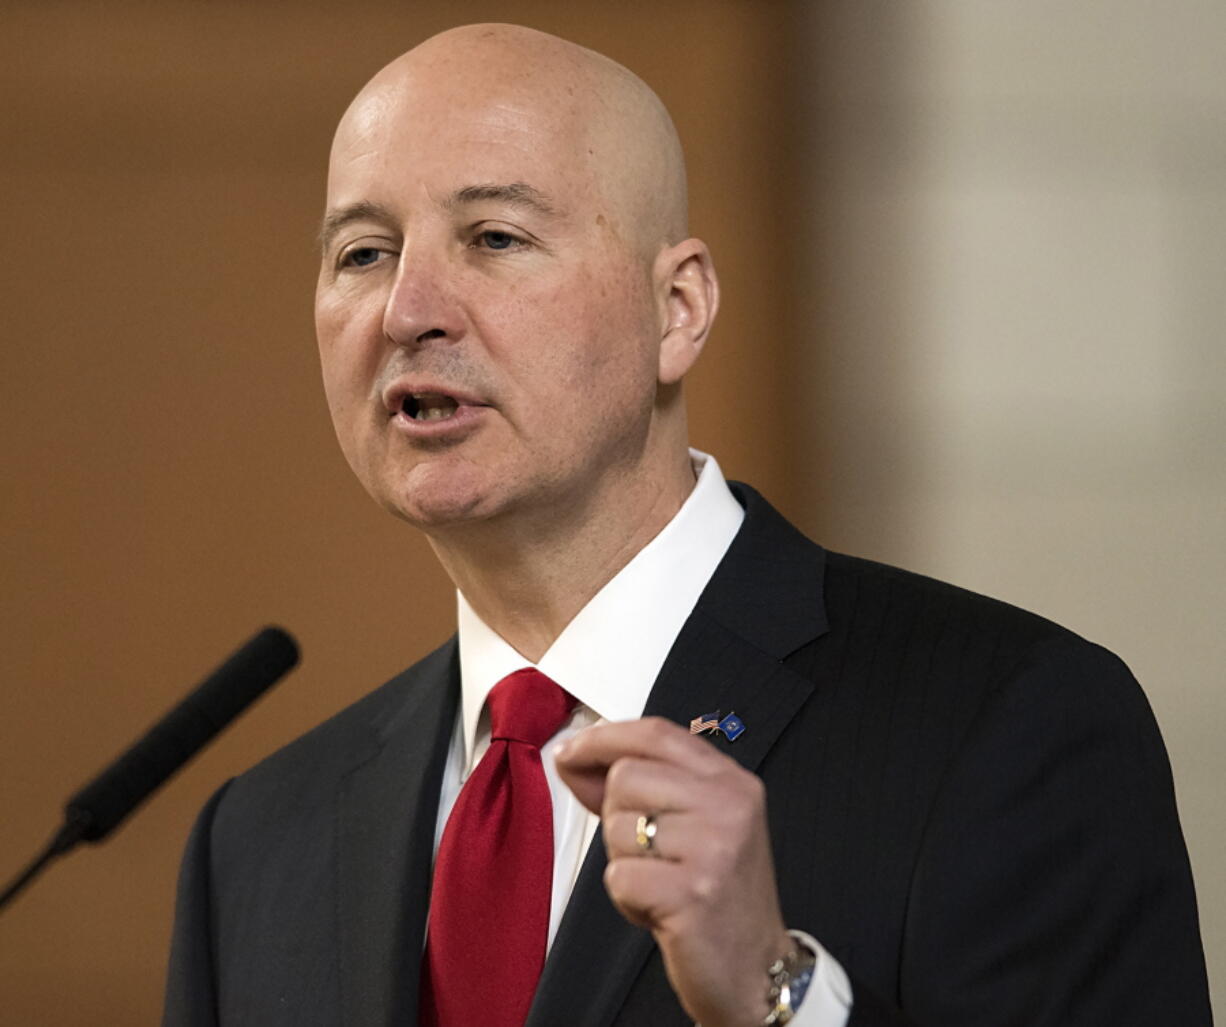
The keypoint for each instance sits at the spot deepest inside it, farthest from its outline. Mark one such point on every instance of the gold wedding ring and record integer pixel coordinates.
(645, 834)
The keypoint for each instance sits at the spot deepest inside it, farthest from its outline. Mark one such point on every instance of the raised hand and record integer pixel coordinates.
(688, 857)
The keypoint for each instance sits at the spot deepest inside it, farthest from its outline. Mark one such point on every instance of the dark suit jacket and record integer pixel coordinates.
(969, 806)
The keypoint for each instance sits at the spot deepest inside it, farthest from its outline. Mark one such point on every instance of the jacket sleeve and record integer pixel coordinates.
(1053, 885)
(191, 996)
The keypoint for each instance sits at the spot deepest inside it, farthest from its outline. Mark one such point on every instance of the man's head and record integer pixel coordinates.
(507, 300)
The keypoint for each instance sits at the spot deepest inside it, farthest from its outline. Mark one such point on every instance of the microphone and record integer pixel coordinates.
(99, 807)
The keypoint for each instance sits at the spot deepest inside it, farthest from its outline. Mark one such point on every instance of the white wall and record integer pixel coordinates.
(1020, 223)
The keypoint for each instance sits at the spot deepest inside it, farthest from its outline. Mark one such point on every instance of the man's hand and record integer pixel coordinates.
(707, 890)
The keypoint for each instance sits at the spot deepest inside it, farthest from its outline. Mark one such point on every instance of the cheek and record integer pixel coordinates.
(331, 363)
(618, 312)
(607, 377)
(348, 352)
(347, 365)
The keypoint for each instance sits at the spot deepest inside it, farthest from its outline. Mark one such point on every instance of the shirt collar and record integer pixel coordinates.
(610, 654)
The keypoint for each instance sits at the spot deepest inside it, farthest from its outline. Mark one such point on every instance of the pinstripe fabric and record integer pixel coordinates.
(969, 806)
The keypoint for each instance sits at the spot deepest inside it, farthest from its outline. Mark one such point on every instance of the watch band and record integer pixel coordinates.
(790, 977)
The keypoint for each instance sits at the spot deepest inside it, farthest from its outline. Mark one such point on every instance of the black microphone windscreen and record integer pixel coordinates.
(98, 807)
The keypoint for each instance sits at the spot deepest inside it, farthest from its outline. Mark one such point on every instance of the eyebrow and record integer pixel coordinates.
(335, 220)
(515, 194)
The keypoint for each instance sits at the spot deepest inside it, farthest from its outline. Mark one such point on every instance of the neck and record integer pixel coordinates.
(528, 577)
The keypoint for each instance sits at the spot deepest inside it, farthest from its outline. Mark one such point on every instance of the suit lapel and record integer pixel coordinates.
(764, 602)
(387, 807)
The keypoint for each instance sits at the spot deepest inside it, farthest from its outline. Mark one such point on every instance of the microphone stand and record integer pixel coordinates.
(98, 808)
(65, 839)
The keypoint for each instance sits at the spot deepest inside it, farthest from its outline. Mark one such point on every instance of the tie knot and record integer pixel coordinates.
(526, 706)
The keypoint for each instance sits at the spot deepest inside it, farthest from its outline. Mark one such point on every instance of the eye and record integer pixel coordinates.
(495, 239)
(360, 256)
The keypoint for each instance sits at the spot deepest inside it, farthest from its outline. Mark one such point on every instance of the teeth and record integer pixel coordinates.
(430, 407)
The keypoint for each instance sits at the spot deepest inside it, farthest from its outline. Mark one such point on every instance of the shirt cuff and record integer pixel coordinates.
(827, 1001)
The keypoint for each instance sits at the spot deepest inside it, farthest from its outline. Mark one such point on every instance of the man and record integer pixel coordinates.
(963, 812)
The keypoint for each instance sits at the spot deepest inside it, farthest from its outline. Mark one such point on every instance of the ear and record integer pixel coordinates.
(688, 290)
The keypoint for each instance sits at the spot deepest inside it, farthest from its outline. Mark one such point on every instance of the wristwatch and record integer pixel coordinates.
(790, 977)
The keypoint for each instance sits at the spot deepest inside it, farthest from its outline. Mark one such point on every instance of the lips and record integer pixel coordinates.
(425, 409)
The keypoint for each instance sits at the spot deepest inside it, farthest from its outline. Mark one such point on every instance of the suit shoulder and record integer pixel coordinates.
(857, 588)
(894, 624)
(289, 775)
(869, 618)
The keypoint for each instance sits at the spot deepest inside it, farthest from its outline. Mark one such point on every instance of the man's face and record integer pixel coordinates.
(487, 329)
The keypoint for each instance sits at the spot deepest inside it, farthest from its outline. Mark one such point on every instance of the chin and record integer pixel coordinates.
(433, 501)
(435, 514)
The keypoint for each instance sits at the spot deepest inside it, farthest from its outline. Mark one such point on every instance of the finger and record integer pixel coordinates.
(633, 783)
(646, 785)
(586, 781)
(650, 738)
(583, 761)
(677, 836)
(646, 891)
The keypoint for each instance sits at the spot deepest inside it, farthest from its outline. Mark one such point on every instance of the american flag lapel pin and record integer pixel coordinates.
(705, 722)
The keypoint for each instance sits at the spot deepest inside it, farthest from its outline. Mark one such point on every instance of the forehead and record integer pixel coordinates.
(406, 138)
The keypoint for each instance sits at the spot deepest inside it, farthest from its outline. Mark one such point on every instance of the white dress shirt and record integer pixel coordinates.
(648, 601)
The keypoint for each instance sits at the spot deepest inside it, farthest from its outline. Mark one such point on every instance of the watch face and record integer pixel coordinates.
(797, 988)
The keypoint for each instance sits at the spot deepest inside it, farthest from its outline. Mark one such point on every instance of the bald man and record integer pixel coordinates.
(751, 782)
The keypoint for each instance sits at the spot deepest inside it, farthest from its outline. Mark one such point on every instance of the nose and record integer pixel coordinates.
(422, 305)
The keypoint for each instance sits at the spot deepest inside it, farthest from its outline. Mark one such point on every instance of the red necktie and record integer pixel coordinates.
(489, 906)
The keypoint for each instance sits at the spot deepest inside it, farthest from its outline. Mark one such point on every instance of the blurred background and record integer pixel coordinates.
(972, 258)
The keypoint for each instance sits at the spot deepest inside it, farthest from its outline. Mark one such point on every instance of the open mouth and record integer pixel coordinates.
(429, 406)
